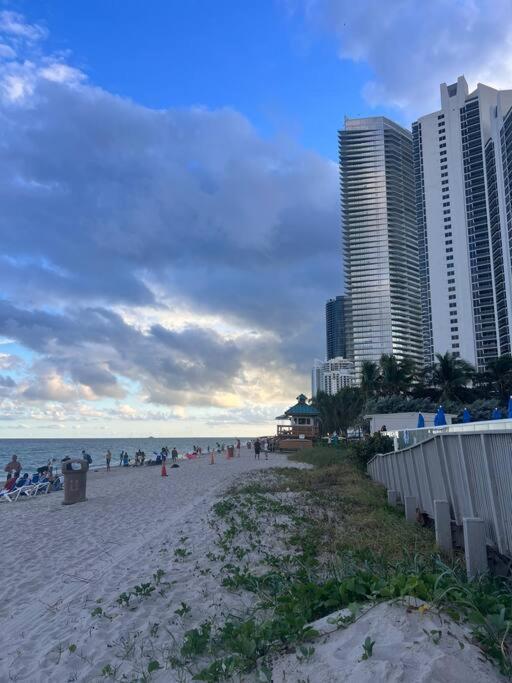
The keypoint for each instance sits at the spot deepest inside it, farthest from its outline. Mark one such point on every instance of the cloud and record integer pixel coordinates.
(116, 216)
(412, 47)
(13, 24)
(158, 266)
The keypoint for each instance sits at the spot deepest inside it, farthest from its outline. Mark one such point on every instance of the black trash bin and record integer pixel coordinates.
(75, 481)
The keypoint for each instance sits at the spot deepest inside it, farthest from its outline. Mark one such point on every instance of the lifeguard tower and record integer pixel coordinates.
(298, 426)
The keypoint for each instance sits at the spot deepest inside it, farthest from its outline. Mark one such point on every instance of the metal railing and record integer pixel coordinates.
(472, 471)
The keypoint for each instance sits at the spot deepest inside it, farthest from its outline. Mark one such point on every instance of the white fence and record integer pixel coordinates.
(472, 471)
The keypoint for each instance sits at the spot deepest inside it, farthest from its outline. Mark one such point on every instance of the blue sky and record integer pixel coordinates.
(253, 56)
(170, 225)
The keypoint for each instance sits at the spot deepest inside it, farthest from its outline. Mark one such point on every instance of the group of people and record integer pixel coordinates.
(16, 480)
(264, 445)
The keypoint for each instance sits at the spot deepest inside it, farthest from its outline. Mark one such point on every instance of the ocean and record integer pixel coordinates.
(33, 453)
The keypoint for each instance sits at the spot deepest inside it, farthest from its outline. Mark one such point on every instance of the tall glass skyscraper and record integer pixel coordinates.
(335, 328)
(381, 260)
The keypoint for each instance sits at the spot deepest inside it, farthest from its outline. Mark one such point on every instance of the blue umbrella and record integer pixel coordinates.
(509, 411)
(421, 421)
(441, 417)
(496, 414)
(466, 416)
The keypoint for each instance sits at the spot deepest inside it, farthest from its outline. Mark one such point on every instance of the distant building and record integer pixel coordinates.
(462, 155)
(332, 375)
(383, 309)
(335, 328)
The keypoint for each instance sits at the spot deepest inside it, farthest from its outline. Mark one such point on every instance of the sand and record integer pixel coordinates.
(63, 569)
(59, 561)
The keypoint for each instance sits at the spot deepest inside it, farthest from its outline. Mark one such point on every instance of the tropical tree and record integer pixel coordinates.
(349, 404)
(326, 407)
(341, 411)
(451, 375)
(370, 378)
(499, 376)
(397, 375)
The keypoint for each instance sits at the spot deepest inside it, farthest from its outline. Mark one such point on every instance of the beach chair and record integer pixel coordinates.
(13, 495)
(42, 487)
(28, 490)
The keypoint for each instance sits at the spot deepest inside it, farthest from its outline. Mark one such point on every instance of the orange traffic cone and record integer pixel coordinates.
(164, 471)
(212, 458)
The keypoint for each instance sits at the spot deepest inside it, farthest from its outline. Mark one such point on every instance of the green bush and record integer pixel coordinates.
(363, 451)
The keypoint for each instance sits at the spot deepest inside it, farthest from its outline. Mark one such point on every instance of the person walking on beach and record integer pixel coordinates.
(13, 468)
(238, 447)
(257, 449)
(174, 455)
(265, 448)
(108, 458)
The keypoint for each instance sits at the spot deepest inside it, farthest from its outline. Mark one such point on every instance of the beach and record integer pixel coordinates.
(64, 566)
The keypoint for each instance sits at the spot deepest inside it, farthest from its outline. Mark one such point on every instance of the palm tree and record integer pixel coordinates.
(349, 404)
(499, 375)
(325, 404)
(396, 375)
(451, 375)
(370, 378)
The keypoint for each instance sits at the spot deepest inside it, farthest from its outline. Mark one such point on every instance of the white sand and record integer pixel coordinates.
(409, 647)
(57, 561)
(59, 564)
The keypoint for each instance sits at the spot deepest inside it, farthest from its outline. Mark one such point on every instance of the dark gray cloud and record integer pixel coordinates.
(109, 205)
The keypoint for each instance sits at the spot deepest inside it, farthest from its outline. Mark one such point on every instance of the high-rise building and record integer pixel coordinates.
(335, 327)
(381, 259)
(332, 375)
(461, 212)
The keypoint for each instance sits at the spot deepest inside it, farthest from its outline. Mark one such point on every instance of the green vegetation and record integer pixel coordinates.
(298, 544)
(394, 385)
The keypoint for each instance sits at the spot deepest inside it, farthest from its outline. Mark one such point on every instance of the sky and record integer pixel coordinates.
(169, 217)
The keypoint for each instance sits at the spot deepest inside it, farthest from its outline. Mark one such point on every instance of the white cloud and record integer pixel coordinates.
(412, 47)
(62, 73)
(14, 24)
(6, 52)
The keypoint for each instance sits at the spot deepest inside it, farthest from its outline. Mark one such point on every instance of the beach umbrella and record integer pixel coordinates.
(496, 414)
(421, 421)
(466, 416)
(509, 411)
(441, 417)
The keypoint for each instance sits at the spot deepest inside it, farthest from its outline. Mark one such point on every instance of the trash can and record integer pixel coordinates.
(75, 481)
(231, 451)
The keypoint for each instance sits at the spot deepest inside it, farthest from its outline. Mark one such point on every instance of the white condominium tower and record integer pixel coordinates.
(383, 310)
(462, 214)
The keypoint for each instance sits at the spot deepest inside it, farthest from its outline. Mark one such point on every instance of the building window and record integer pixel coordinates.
(455, 346)
(454, 329)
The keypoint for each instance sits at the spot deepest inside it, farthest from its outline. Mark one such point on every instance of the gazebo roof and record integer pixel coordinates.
(300, 409)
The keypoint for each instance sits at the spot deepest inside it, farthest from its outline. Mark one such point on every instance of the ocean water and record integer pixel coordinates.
(33, 453)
